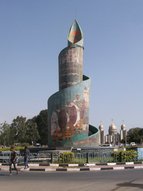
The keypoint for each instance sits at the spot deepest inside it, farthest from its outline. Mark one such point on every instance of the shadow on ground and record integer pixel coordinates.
(129, 184)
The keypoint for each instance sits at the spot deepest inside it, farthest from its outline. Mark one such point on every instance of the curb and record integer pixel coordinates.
(78, 167)
(85, 169)
(86, 164)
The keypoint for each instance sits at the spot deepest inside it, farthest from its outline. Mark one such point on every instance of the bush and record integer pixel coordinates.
(17, 148)
(124, 156)
(66, 157)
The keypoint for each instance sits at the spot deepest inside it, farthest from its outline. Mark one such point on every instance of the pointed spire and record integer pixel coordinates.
(75, 35)
(101, 126)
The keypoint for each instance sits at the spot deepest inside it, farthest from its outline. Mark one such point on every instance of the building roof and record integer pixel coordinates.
(112, 129)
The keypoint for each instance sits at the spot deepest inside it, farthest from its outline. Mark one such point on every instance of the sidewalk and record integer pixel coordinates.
(77, 167)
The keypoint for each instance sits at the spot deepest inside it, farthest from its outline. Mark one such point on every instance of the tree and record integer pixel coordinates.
(18, 130)
(22, 130)
(32, 134)
(42, 126)
(5, 134)
(135, 135)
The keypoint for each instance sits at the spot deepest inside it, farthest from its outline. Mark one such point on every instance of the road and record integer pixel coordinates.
(121, 180)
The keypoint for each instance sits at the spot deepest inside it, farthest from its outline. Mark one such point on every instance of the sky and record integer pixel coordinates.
(32, 34)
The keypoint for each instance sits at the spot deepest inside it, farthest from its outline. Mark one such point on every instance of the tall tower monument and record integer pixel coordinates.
(68, 109)
(71, 59)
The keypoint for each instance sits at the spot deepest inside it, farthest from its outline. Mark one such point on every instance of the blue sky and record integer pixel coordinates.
(32, 34)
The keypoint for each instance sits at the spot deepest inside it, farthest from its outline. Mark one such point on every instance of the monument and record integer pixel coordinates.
(68, 109)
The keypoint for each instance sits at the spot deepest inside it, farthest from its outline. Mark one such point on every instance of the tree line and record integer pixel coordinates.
(135, 135)
(25, 131)
(34, 130)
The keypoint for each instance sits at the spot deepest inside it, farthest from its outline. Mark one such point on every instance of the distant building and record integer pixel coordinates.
(113, 137)
(123, 133)
(101, 133)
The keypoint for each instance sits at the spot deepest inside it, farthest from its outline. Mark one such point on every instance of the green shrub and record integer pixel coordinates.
(66, 157)
(124, 156)
(17, 148)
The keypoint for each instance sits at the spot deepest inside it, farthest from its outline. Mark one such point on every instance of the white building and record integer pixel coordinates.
(113, 137)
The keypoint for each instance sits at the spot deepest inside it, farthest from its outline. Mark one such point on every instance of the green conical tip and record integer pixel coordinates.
(75, 35)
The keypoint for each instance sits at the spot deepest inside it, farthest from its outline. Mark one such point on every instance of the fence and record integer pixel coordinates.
(84, 155)
(89, 155)
(105, 155)
(34, 157)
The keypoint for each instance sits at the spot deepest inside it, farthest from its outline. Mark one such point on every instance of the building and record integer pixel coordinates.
(113, 137)
(101, 134)
(68, 109)
(123, 134)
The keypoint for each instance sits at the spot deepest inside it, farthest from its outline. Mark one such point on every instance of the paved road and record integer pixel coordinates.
(121, 180)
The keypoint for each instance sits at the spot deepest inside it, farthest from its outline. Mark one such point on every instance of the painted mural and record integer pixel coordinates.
(71, 119)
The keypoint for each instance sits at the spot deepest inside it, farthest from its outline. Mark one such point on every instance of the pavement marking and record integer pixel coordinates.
(90, 164)
(136, 167)
(128, 163)
(50, 169)
(95, 169)
(84, 169)
(32, 164)
(118, 167)
(73, 169)
(110, 164)
(72, 165)
(61, 169)
(37, 169)
(107, 168)
(54, 165)
(128, 167)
